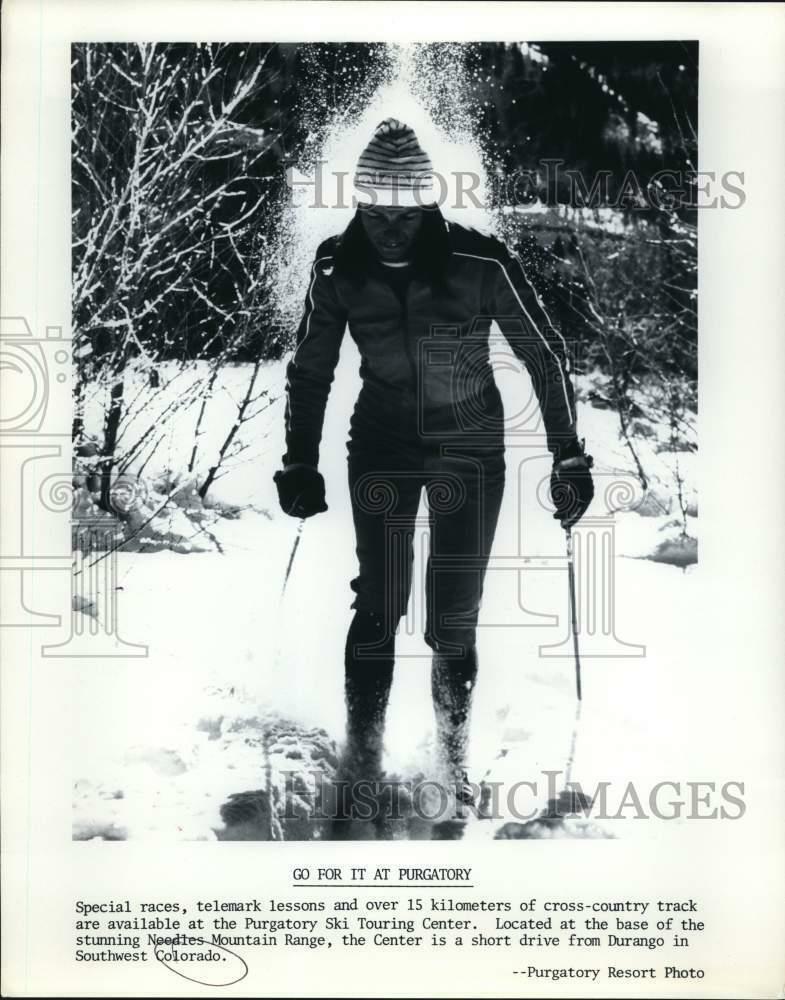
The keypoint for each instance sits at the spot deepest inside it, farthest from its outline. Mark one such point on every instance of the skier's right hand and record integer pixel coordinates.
(300, 490)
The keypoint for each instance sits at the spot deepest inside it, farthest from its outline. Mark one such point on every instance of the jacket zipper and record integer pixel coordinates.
(406, 343)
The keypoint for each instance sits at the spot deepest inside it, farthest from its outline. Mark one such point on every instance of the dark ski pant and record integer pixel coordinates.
(464, 488)
(463, 491)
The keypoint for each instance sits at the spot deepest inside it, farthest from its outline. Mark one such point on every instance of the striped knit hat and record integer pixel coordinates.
(393, 168)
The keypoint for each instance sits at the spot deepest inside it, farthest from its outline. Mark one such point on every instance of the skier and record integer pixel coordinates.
(418, 294)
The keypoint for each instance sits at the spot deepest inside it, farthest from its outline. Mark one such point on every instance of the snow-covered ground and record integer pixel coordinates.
(240, 685)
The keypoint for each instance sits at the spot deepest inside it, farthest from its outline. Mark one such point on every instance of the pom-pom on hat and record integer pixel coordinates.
(393, 168)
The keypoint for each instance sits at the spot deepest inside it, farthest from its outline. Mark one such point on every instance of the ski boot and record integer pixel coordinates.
(368, 679)
(452, 686)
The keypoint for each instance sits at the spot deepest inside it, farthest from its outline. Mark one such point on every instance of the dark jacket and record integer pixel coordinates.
(425, 358)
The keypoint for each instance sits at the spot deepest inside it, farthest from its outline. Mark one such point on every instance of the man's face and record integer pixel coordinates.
(391, 229)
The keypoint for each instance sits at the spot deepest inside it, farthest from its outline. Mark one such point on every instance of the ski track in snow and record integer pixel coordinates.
(171, 742)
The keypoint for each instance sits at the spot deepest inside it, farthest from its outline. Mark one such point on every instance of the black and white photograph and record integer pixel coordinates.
(385, 404)
(390, 544)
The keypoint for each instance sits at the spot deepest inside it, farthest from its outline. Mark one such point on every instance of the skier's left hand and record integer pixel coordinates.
(572, 487)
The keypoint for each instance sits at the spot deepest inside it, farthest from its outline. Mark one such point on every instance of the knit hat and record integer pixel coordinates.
(393, 168)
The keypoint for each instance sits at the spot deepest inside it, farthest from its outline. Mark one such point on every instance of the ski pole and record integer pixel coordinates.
(568, 800)
(573, 611)
(293, 554)
(287, 574)
(275, 830)
(576, 651)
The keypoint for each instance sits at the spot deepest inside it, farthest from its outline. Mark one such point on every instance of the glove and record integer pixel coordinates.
(300, 490)
(572, 488)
